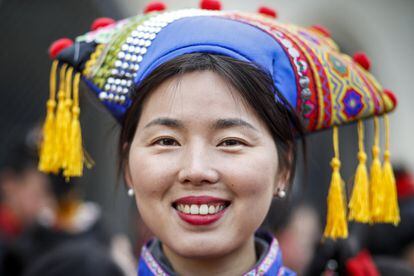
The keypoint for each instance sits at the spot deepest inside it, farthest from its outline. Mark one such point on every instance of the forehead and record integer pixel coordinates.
(201, 95)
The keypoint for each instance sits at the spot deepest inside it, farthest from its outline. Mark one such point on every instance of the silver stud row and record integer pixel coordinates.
(111, 97)
(301, 67)
(118, 86)
(300, 64)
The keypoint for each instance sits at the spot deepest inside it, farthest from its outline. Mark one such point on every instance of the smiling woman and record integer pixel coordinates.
(211, 104)
(205, 159)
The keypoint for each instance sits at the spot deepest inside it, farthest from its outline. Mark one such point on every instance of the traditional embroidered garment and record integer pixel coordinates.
(153, 262)
(324, 86)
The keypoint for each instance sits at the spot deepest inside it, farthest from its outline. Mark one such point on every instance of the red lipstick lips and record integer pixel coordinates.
(200, 210)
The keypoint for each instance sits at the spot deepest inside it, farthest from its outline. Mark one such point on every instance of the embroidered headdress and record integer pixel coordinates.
(326, 87)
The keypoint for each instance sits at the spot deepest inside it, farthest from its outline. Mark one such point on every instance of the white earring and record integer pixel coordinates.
(281, 193)
(131, 192)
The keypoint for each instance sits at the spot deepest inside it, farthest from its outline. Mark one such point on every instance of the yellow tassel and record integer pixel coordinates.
(75, 156)
(377, 188)
(59, 135)
(392, 211)
(47, 145)
(67, 116)
(336, 223)
(359, 204)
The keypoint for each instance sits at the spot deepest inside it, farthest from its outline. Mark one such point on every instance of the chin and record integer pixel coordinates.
(211, 246)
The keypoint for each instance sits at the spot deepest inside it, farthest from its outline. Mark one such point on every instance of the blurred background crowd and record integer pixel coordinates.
(89, 226)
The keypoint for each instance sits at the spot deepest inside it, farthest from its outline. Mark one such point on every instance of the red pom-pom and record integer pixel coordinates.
(392, 97)
(58, 46)
(321, 29)
(405, 184)
(267, 11)
(101, 22)
(361, 264)
(210, 5)
(362, 59)
(155, 6)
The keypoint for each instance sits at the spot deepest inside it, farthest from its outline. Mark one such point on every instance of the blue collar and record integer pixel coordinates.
(270, 264)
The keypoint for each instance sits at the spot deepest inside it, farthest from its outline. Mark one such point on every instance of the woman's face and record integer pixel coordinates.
(203, 166)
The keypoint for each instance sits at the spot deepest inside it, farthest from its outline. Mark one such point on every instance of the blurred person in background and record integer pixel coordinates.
(24, 191)
(58, 216)
(24, 194)
(351, 257)
(372, 250)
(73, 222)
(297, 228)
(78, 258)
(386, 242)
(299, 237)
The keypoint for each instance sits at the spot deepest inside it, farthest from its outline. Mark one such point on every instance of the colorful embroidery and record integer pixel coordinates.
(152, 263)
(272, 262)
(321, 99)
(331, 88)
(303, 75)
(352, 103)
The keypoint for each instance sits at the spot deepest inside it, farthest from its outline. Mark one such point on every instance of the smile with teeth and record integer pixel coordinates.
(203, 209)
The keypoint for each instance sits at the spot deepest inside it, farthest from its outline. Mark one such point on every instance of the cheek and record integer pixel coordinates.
(254, 176)
(152, 179)
(254, 192)
(151, 176)
(252, 182)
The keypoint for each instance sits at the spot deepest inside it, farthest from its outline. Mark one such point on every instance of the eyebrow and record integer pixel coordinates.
(232, 122)
(219, 124)
(168, 122)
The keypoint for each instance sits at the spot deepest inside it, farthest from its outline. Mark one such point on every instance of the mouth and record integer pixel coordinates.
(200, 210)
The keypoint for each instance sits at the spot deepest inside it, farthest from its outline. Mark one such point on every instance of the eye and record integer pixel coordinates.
(231, 143)
(166, 142)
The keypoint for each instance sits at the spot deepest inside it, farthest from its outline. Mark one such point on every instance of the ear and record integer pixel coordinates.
(283, 178)
(125, 169)
(282, 181)
(127, 175)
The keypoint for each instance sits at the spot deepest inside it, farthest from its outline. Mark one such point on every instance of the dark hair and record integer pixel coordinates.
(255, 86)
(23, 157)
(78, 257)
(19, 158)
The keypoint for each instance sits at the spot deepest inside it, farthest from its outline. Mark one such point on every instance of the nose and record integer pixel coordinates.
(197, 166)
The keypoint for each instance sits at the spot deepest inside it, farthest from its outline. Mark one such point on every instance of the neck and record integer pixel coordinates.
(236, 262)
